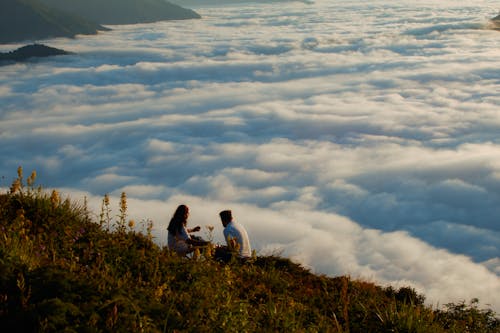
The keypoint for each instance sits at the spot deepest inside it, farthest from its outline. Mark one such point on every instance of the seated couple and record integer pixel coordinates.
(180, 241)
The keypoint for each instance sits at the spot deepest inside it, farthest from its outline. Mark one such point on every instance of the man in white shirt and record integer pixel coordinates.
(235, 235)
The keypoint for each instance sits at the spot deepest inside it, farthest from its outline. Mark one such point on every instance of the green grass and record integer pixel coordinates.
(60, 271)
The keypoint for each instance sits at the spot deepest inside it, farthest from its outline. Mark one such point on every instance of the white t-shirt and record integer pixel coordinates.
(178, 242)
(236, 231)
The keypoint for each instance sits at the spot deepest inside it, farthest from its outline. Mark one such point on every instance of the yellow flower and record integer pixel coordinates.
(31, 179)
(55, 199)
(16, 186)
(196, 253)
(123, 202)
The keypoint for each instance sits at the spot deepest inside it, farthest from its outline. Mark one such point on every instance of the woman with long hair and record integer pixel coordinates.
(179, 239)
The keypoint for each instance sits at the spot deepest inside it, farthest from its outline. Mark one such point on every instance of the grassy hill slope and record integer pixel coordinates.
(31, 20)
(60, 270)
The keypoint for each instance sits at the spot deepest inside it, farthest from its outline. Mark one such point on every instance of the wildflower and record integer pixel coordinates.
(196, 253)
(85, 205)
(105, 210)
(55, 199)
(123, 210)
(20, 214)
(16, 186)
(131, 224)
(123, 203)
(67, 203)
(210, 234)
(209, 250)
(20, 172)
(31, 179)
(149, 229)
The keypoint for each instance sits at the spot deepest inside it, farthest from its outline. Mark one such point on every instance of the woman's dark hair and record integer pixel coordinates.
(178, 219)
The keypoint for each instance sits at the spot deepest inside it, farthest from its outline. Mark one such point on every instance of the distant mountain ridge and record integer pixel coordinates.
(22, 20)
(31, 20)
(123, 11)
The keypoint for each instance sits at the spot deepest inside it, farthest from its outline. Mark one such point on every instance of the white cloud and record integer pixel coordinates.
(355, 142)
(145, 191)
(493, 265)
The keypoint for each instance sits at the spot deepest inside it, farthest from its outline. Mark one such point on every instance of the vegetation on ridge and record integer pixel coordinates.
(32, 20)
(124, 11)
(60, 270)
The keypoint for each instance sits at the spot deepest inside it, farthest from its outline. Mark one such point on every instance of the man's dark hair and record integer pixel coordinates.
(226, 215)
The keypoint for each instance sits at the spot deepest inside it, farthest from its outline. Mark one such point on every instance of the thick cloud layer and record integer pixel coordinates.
(357, 138)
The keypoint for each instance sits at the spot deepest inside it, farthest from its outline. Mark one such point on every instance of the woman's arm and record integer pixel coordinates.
(195, 229)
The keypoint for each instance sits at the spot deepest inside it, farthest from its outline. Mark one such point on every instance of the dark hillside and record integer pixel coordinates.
(496, 22)
(31, 20)
(62, 271)
(123, 11)
(31, 51)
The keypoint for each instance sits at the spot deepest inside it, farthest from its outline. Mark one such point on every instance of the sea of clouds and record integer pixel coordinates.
(356, 137)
